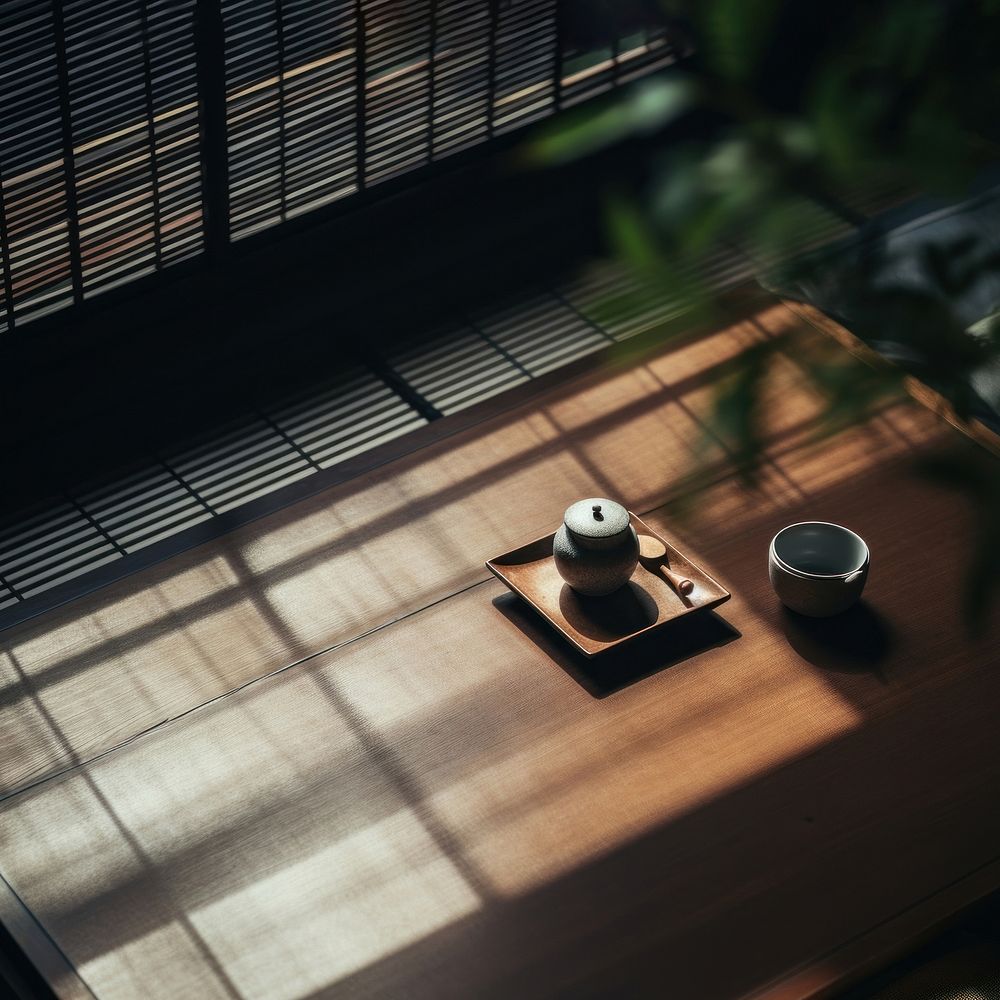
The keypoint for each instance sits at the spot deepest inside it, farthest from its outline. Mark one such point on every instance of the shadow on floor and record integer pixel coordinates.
(962, 963)
(857, 641)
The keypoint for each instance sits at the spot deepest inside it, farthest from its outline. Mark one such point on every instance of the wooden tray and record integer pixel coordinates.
(596, 624)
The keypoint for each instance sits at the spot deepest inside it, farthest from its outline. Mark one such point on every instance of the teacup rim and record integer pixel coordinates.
(820, 576)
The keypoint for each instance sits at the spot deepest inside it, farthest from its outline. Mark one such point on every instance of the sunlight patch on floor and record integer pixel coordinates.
(299, 930)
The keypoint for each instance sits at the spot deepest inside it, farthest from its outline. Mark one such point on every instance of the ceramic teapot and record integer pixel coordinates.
(596, 549)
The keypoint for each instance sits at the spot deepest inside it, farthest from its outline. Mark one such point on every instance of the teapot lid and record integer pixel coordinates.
(596, 518)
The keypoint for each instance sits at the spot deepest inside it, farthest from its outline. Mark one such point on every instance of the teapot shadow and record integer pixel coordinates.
(614, 616)
(856, 641)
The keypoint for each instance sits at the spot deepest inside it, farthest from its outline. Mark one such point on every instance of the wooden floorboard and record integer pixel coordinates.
(95, 673)
(456, 804)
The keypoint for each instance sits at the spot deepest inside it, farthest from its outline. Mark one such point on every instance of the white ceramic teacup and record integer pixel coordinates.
(817, 568)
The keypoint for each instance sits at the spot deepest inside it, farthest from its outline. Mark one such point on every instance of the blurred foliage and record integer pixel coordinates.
(778, 109)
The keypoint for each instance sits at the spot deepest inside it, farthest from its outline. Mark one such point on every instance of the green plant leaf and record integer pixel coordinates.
(645, 108)
(631, 236)
(737, 33)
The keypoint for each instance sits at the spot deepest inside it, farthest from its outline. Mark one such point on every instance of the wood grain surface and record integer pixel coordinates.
(457, 803)
(94, 674)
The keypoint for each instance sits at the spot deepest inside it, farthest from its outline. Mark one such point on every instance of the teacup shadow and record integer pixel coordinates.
(624, 665)
(855, 641)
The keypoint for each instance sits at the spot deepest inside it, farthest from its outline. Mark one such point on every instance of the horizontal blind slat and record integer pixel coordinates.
(98, 100)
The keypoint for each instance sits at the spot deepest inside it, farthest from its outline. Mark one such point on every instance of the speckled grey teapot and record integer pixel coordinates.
(596, 549)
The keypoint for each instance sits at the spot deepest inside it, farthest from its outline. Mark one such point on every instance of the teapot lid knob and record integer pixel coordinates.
(596, 517)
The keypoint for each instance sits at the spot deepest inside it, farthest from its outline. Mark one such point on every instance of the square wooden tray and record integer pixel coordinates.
(596, 624)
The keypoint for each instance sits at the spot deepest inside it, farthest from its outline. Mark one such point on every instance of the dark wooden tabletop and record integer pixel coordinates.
(329, 755)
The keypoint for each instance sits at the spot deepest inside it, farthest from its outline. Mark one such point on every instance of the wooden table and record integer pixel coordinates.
(329, 755)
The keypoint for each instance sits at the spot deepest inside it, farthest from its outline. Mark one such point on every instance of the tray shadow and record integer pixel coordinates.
(624, 665)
